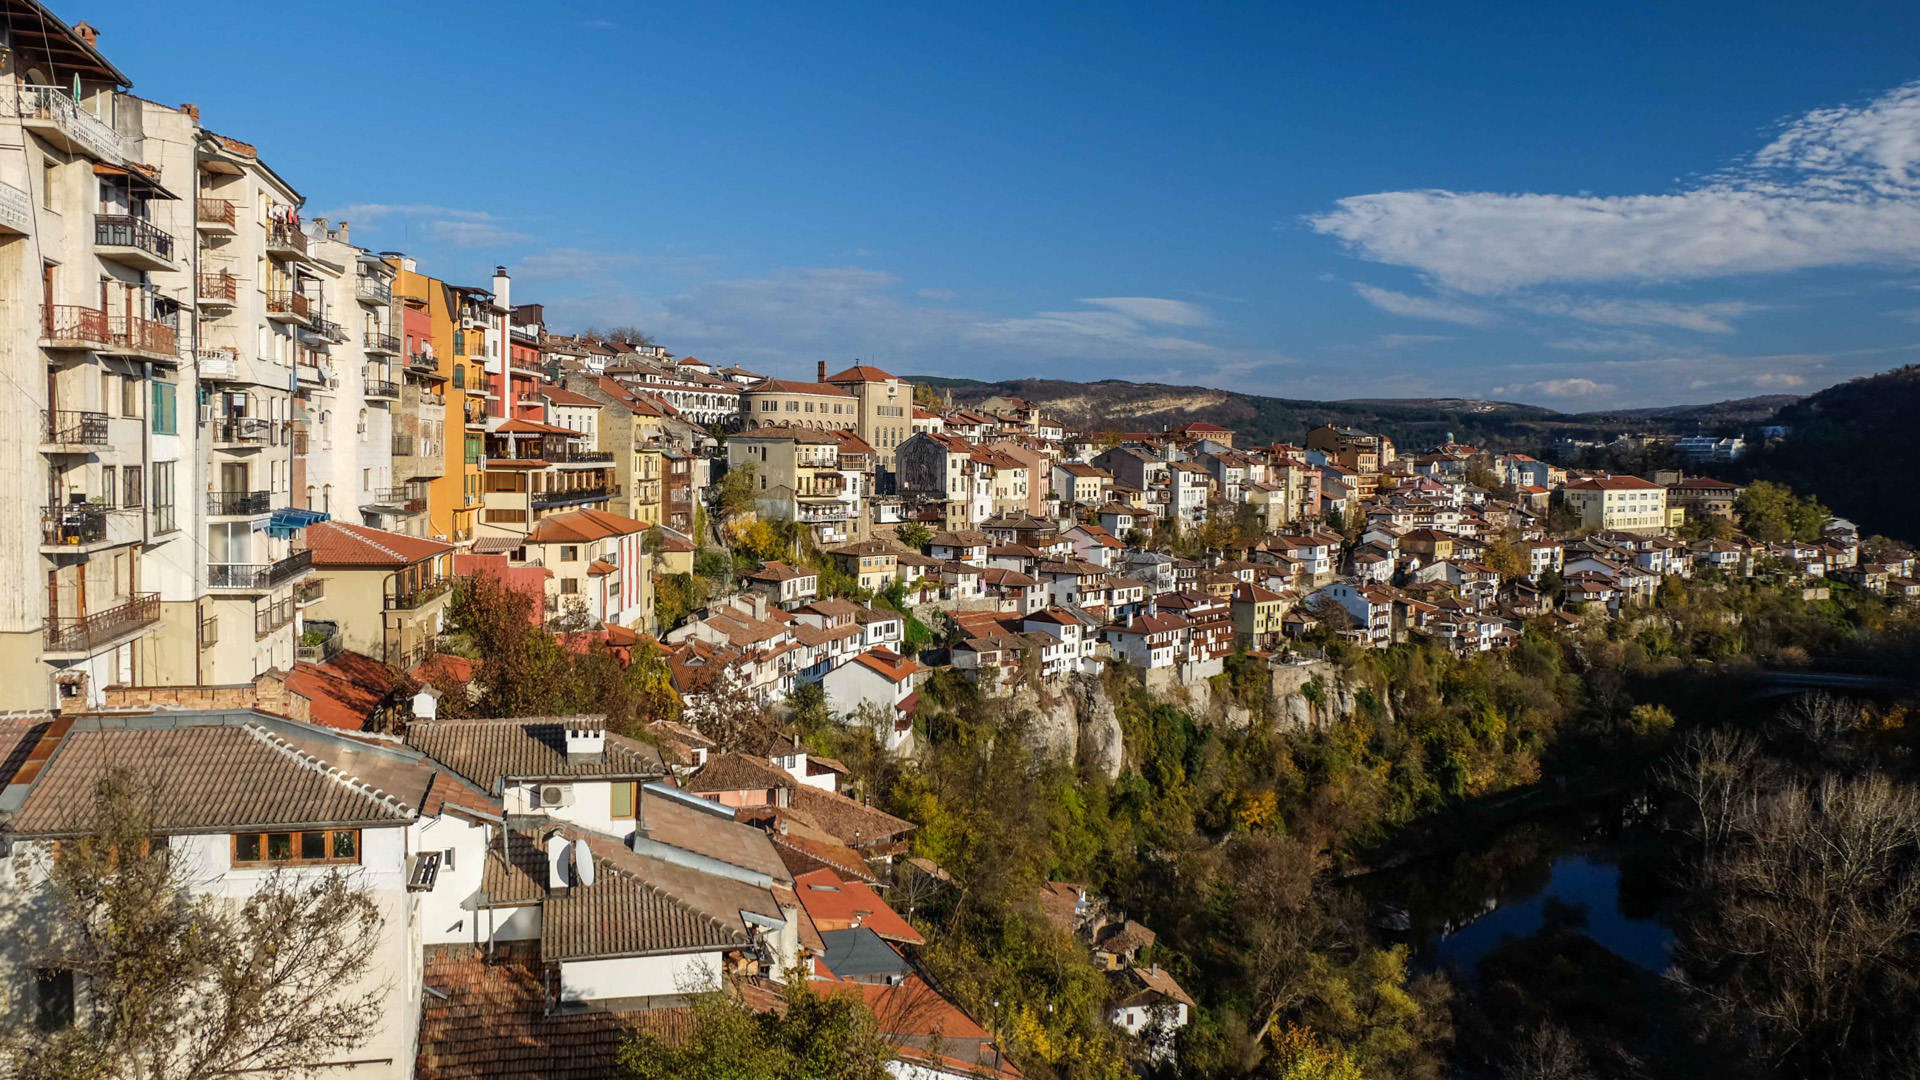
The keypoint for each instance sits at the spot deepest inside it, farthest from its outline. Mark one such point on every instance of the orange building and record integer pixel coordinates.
(434, 335)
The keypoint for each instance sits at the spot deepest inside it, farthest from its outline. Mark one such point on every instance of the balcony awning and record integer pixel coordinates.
(287, 520)
(136, 177)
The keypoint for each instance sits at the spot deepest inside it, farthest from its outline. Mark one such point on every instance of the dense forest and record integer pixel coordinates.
(1857, 446)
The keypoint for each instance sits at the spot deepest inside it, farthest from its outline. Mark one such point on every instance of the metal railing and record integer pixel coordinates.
(407, 601)
(382, 343)
(411, 497)
(125, 230)
(320, 652)
(309, 592)
(237, 575)
(291, 567)
(142, 335)
(272, 617)
(287, 238)
(327, 328)
(288, 302)
(381, 388)
(75, 428)
(422, 361)
(52, 103)
(242, 429)
(214, 211)
(74, 633)
(369, 288)
(73, 524)
(561, 498)
(239, 503)
(403, 446)
(220, 286)
(72, 322)
(582, 456)
(217, 362)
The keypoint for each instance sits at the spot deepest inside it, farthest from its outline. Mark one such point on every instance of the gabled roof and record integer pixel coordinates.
(784, 386)
(345, 691)
(888, 664)
(580, 526)
(837, 904)
(860, 373)
(338, 544)
(489, 752)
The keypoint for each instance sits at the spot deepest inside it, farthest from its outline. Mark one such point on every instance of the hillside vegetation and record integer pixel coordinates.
(1856, 446)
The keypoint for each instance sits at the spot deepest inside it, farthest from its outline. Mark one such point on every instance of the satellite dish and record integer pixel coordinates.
(582, 862)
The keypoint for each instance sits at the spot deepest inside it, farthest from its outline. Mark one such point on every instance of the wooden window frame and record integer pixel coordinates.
(633, 800)
(265, 861)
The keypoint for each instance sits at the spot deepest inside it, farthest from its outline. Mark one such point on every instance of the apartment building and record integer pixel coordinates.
(532, 469)
(1623, 503)
(797, 477)
(157, 269)
(419, 444)
(885, 419)
(439, 354)
(800, 404)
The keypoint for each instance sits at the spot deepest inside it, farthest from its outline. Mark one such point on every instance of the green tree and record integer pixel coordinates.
(178, 983)
(814, 1037)
(736, 491)
(914, 535)
(1772, 513)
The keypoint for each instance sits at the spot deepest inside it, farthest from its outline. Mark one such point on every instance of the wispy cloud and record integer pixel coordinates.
(369, 212)
(573, 264)
(1421, 307)
(1149, 309)
(1911, 315)
(472, 234)
(1401, 341)
(1837, 187)
(1558, 388)
(1713, 318)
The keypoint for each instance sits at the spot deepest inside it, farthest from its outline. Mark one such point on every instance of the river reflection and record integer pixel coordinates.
(1455, 907)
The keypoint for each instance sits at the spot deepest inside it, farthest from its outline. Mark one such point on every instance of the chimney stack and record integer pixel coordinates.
(502, 288)
(820, 372)
(585, 744)
(343, 233)
(88, 33)
(191, 110)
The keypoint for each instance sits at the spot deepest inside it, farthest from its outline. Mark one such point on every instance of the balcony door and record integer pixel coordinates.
(233, 477)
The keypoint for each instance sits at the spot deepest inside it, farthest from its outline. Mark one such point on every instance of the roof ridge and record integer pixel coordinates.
(329, 770)
(661, 891)
(358, 530)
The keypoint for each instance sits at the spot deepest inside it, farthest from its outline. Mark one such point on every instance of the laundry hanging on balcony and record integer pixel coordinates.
(288, 520)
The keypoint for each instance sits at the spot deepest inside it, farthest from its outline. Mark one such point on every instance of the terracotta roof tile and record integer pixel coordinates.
(487, 752)
(336, 543)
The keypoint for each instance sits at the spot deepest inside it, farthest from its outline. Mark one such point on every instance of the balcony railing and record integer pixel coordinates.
(72, 322)
(73, 525)
(327, 328)
(381, 388)
(581, 456)
(50, 103)
(125, 230)
(242, 429)
(407, 601)
(214, 212)
(288, 302)
(322, 649)
(239, 503)
(284, 237)
(218, 288)
(409, 497)
(310, 592)
(218, 363)
(68, 427)
(385, 343)
(272, 617)
(143, 335)
(291, 567)
(574, 495)
(78, 633)
(373, 290)
(422, 362)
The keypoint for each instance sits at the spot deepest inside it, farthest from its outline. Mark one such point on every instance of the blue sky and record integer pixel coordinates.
(1579, 207)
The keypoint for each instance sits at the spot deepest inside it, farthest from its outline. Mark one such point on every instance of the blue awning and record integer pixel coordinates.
(287, 520)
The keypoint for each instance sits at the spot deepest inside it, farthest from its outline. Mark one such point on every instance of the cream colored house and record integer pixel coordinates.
(385, 593)
(1618, 503)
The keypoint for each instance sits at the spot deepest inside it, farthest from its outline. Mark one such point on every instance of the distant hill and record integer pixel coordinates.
(1856, 446)
(1411, 422)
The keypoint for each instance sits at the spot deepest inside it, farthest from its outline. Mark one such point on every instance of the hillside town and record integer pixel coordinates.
(268, 463)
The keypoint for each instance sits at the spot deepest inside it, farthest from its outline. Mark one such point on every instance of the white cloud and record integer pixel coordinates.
(1401, 341)
(1706, 318)
(373, 211)
(1836, 188)
(1779, 380)
(1559, 388)
(572, 264)
(1911, 315)
(470, 234)
(1420, 307)
(1148, 309)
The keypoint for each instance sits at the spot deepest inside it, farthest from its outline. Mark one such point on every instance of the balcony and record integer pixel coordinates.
(218, 363)
(217, 290)
(423, 363)
(317, 647)
(310, 592)
(373, 291)
(328, 329)
(135, 336)
(381, 388)
(406, 498)
(286, 241)
(293, 566)
(80, 431)
(82, 634)
(259, 577)
(403, 446)
(132, 241)
(407, 601)
(383, 344)
(573, 496)
(243, 432)
(73, 526)
(285, 305)
(273, 617)
(239, 503)
(48, 111)
(579, 457)
(215, 215)
(71, 326)
(476, 416)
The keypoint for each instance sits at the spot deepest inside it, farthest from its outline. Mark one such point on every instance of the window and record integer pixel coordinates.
(625, 794)
(162, 487)
(108, 482)
(570, 586)
(459, 376)
(569, 553)
(166, 412)
(129, 397)
(283, 848)
(49, 183)
(53, 999)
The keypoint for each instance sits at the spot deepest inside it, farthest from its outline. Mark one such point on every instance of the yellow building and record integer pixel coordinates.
(432, 330)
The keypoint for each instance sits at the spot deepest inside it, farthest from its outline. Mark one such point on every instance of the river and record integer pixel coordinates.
(1581, 868)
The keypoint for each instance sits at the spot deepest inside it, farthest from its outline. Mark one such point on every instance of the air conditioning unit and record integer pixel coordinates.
(206, 414)
(549, 796)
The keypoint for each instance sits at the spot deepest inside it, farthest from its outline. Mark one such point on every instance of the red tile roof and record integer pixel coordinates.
(336, 543)
(578, 526)
(837, 904)
(890, 664)
(344, 692)
(860, 373)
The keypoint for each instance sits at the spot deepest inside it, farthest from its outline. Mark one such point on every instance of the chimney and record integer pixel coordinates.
(586, 745)
(88, 34)
(557, 846)
(322, 222)
(502, 287)
(191, 110)
(820, 372)
(343, 232)
(426, 703)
